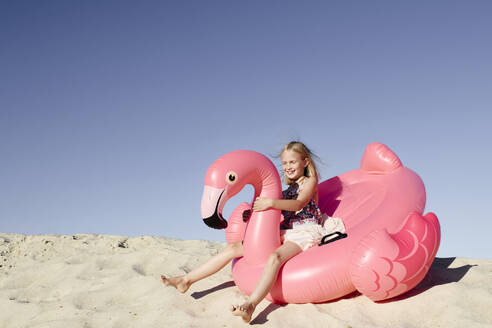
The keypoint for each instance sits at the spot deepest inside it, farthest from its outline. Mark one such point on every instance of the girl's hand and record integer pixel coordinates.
(262, 204)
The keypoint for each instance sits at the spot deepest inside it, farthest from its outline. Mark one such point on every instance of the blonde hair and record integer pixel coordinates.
(310, 170)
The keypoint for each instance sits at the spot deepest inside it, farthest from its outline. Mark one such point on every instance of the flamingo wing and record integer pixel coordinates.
(385, 265)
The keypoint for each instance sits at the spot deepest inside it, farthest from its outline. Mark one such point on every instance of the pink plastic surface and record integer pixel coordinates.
(390, 244)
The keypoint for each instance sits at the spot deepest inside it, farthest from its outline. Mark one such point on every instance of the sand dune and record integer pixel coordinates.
(113, 281)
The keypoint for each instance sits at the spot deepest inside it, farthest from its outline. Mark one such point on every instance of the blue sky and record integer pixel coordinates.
(112, 111)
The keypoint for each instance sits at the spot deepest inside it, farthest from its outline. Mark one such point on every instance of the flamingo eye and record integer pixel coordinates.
(231, 177)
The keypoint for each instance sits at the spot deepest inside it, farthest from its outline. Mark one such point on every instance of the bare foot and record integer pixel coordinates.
(245, 311)
(180, 283)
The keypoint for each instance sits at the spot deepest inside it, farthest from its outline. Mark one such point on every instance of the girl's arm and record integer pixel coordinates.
(304, 196)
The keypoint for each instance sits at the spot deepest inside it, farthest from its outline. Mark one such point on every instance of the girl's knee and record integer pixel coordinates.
(275, 259)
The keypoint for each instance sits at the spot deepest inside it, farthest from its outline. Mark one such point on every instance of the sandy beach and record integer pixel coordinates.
(95, 281)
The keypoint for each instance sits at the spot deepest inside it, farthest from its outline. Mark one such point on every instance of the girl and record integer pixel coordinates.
(301, 228)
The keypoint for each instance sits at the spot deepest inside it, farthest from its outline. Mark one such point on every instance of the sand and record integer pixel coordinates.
(113, 281)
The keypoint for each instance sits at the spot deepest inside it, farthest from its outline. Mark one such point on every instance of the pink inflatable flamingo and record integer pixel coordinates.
(389, 248)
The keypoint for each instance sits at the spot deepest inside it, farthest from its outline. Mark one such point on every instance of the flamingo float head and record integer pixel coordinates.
(228, 175)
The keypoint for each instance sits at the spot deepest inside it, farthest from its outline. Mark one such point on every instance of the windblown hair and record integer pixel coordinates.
(310, 170)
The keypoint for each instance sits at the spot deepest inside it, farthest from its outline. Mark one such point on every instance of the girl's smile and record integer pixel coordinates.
(293, 164)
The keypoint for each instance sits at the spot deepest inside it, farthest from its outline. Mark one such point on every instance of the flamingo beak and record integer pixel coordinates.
(213, 201)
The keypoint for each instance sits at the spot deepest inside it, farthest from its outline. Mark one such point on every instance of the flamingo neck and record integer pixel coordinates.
(263, 231)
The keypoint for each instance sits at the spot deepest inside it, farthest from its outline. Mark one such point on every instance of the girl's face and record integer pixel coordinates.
(293, 164)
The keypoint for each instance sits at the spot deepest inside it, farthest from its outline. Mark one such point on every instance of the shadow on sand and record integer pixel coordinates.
(262, 317)
(227, 284)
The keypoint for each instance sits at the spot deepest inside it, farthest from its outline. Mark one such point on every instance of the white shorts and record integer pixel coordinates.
(309, 235)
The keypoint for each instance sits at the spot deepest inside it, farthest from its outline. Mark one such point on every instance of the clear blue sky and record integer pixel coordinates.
(111, 111)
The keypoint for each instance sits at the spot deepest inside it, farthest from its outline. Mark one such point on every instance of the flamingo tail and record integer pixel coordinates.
(385, 265)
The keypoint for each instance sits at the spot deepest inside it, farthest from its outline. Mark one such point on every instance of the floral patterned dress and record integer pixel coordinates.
(310, 214)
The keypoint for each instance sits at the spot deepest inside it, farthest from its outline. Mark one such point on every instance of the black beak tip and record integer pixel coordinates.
(216, 221)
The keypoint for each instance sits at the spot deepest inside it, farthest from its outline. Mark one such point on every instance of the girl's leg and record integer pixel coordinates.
(214, 264)
(267, 279)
